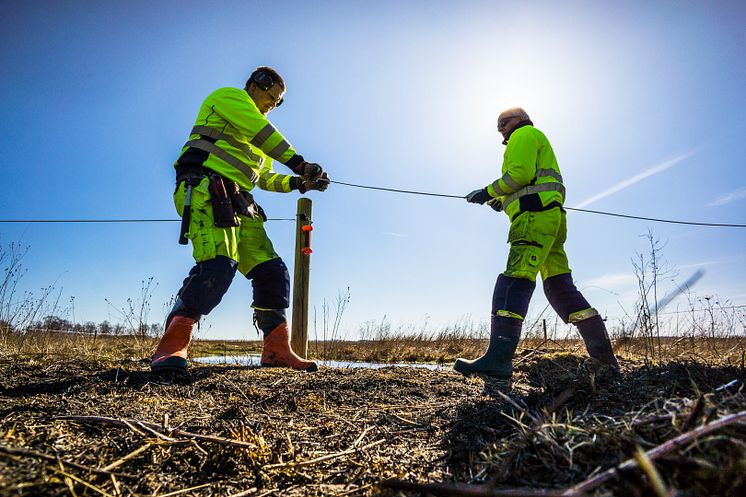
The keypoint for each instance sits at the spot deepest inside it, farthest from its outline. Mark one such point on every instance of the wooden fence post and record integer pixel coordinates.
(301, 278)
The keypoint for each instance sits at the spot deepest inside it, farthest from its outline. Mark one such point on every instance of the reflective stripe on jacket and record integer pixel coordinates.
(531, 178)
(272, 181)
(234, 139)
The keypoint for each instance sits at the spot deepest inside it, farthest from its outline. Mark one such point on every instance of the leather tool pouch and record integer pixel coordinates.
(222, 207)
(245, 205)
(241, 203)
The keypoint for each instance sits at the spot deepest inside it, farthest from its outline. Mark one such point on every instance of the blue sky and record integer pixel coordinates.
(642, 101)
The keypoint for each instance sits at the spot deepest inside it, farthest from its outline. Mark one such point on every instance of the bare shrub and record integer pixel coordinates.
(19, 310)
(11, 261)
(330, 326)
(37, 322)
(649, 270)
(135, 311)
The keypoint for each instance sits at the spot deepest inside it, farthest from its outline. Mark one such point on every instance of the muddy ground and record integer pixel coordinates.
(346, 431)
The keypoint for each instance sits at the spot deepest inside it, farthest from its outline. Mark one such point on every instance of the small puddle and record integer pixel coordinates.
(253, 360)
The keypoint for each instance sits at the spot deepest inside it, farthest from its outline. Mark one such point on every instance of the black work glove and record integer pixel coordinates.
(321, 184)
(310, 171)
(478, 196)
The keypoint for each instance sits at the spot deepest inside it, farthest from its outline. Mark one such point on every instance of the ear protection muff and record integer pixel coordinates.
(263, 80)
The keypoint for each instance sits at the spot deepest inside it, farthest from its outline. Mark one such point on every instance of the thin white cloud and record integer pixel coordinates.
(612, 281)
(726, 260)
(637, 178)
(727, 198)
(398, 235)
(703, 263)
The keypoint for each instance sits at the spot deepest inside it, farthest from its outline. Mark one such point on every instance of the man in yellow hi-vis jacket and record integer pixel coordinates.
(531, 193)
(231, 149)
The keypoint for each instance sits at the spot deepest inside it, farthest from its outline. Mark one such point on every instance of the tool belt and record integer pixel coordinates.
(227, 199)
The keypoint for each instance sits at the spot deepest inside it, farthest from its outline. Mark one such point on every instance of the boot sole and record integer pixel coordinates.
(310, 369)
(169, 369)
(497, 376)
(170, 365)
(598, 365)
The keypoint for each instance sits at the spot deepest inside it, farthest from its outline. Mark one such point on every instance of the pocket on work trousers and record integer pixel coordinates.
(524, 261)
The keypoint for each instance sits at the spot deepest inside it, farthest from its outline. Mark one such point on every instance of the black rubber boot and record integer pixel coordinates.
(593, 331)
(567, 300)
(498, 360)
(509, 303)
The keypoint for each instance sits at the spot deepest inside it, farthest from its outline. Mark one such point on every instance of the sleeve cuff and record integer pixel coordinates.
(294, 162)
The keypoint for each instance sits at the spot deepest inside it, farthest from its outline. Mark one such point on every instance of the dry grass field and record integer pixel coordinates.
(84, 419)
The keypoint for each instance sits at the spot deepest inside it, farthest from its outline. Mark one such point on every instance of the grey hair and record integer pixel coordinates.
(515, 111)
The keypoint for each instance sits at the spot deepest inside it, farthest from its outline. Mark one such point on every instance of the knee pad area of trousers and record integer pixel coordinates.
(563, 296)
(270, 282)
(206, 284)
(512, 295)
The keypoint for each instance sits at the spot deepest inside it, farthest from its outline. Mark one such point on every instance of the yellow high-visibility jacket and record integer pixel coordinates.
(234, 139)
(531, 179)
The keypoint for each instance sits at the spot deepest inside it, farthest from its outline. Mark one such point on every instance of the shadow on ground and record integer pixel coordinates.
(558, 421)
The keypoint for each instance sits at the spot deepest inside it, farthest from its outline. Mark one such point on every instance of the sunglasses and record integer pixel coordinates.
(504, 121)
(276, 103)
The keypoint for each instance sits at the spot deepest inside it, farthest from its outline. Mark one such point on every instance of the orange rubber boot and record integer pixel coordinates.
(171, 354)
(277, 351)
